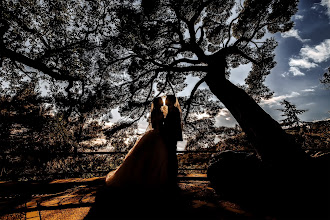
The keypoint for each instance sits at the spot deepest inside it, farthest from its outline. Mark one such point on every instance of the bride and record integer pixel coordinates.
(147, 163)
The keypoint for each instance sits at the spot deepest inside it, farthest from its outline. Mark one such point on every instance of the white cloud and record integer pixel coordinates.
(299, 17)
(224, 118)
(302, 63)
(224, 112)
(308, 90)
(326, 3)
(182, 145)
(295, 71)
(275, 100)
(319, 53)
(309, 57)
(293, 33)
(203, 115)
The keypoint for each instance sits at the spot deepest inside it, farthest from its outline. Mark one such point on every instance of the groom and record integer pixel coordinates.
(173, 134)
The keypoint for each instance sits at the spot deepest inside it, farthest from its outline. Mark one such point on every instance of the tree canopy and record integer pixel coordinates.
(168, 40)
(94, 56)
(325, 80)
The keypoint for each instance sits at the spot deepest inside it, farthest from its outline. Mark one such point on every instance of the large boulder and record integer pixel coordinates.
(285, 190)
(235, 175)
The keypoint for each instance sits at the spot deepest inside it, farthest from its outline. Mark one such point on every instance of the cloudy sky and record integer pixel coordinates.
(302, 56)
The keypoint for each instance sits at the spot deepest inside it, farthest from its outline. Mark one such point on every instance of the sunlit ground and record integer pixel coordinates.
(73, 198)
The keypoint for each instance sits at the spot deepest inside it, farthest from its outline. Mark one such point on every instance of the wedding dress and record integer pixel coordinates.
(146, 164)
(139, 187)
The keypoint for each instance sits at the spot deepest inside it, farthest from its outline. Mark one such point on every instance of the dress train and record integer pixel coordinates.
(146, 164)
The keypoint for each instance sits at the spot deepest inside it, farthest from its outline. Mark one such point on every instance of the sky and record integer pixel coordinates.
(302, 56)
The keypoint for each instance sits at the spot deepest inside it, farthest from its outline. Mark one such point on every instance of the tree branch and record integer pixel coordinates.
(185, 60)
(121, 59)
(63, 75)
(232, 50)
(192, 45)
(187, 69)
(229, 30)
(249, 39)
(26, 28)
(171, 67)
(200, 9)
(199, 42)
(247, 57)
(49, 52)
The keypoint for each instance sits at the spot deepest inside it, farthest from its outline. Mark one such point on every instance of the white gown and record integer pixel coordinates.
(146, 164)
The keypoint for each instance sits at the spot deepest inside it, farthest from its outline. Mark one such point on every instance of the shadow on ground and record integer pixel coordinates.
(18, 199)
(191, 200)
(88, 199)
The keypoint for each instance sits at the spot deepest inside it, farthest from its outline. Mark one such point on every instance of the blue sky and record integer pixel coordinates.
(302, 56)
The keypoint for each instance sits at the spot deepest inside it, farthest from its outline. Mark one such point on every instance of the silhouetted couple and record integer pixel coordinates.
(147, 177)
(152, 162)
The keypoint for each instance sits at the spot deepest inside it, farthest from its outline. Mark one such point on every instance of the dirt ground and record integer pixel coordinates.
(73, 198)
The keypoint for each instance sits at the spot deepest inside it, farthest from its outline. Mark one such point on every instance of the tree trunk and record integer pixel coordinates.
(270, 140)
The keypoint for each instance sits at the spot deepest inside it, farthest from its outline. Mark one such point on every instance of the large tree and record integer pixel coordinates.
(100, 55)
(162, 42)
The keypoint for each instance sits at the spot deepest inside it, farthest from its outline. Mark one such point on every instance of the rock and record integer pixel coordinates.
(284, 190)
(235, 174)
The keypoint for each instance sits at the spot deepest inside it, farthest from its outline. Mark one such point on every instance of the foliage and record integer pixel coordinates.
(169, 39)
(53, 44)
(95, 56)
(312, 136)
(326, 79)
(193, 162)
(23, 117)
(290, 112)
(33, 138)
(235, 143)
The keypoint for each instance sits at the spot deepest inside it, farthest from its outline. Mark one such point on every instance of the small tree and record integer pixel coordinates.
(326, 79)
(291, 113)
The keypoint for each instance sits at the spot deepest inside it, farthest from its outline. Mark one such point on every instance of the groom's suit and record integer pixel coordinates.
(173, 133)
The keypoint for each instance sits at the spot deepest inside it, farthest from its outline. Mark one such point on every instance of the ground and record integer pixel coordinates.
(73, 198)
